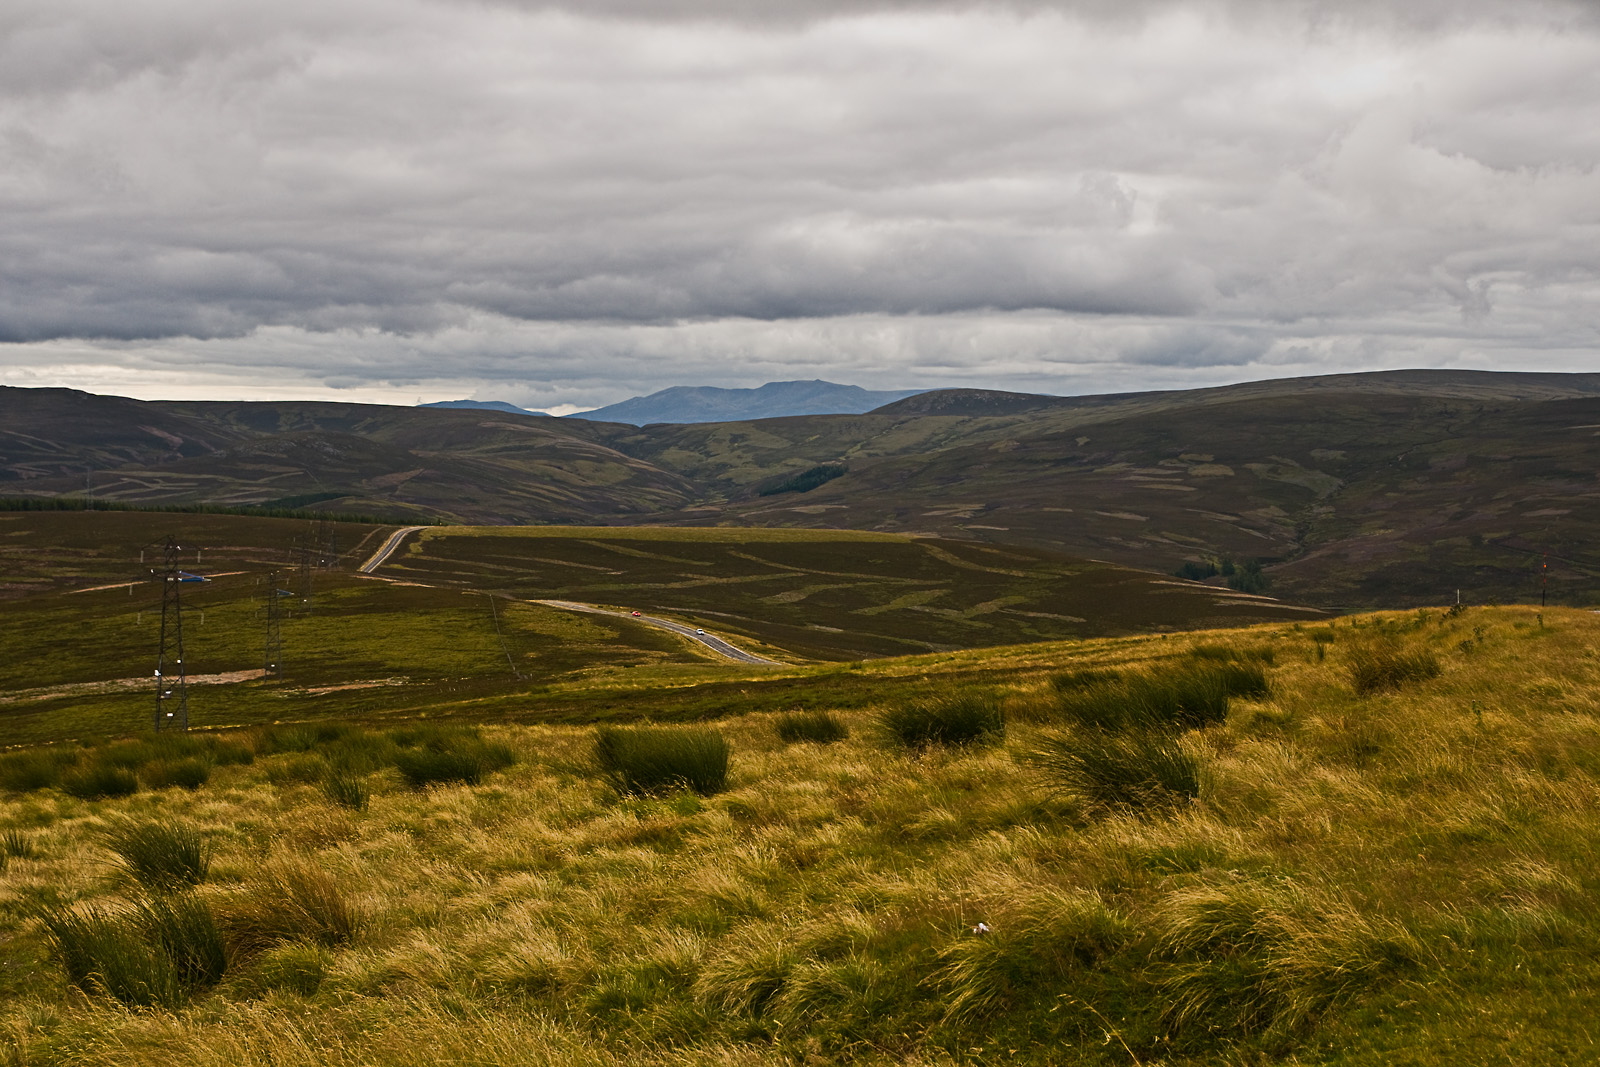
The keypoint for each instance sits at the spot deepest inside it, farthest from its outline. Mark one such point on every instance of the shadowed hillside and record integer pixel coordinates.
(1350, 490)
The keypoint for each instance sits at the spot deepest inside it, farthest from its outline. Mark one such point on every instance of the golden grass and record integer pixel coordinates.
(1347, 856)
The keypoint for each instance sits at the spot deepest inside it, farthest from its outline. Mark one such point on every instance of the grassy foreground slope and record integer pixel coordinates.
(1403, 875)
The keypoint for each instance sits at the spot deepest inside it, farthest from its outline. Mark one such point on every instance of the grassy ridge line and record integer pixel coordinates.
(1402, 877)
(16, 503)
(708, 534)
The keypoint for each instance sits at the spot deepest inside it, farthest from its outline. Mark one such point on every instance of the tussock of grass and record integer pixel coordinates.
(190, 773)
(436, 755)
(15, 843)
(1033, 944)
(97, 781)
(346, 790)
(183, 928)
(160, 855)
(960, 719)
(1130, 771)
(22, 772)
(656, 759)
(1384, 665)
(817, 727)
(1251, 956)
(105, 954)
(1172, 698)
(291, 900)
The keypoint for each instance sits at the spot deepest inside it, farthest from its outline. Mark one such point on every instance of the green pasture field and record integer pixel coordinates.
(1400, 870)
(81, 664)
(823, 594)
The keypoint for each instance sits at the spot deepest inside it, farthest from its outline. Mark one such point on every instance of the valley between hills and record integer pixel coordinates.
(995, 786)
(1352, 491)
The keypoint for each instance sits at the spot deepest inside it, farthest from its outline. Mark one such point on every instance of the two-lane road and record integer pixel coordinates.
(711, 641)
(386, 549)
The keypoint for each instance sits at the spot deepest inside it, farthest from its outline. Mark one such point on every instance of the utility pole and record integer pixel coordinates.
(172, 694)
(1544, 579)
(274, 656)
(304, 553)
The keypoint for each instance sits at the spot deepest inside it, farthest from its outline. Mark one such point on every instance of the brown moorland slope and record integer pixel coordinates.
(1352, 490)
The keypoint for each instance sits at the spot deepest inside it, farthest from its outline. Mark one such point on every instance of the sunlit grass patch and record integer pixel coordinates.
(159, 855)
(291, 899)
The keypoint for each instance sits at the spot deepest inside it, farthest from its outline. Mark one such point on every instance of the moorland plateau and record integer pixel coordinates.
(1367, 490)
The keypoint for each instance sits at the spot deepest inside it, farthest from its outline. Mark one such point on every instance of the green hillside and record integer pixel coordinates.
(1378, 850)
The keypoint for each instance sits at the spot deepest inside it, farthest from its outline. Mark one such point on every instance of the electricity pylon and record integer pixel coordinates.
(274, 657)
(172, 693)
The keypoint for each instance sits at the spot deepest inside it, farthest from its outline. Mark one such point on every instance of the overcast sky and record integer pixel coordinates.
(566, 206)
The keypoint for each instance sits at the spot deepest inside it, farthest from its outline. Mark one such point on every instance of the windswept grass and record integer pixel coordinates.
(969, 718)
(817, 727)
(1120, 771)
(1321, 877)
(106, 954)
(182, 927)
(291, 899)
(654, 759)
(159, 855)
(1165, 698)
(346, 790)
(1384, 664)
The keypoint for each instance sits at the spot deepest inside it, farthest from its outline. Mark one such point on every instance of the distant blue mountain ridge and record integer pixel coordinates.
(486, 405)
(709, 403)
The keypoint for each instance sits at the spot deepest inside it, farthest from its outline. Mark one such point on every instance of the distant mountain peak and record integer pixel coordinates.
(709, 403)
(484, 405)
(968, 402)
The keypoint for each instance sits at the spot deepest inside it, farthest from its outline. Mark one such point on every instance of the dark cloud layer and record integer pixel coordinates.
(570, 204)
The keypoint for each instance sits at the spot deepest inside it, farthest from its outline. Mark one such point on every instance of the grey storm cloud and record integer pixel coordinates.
(1026, 193)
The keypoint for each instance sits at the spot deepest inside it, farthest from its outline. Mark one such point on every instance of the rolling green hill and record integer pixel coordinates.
(1352, 490)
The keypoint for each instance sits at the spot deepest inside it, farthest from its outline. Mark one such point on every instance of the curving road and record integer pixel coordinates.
(386, 549)
(711, 641)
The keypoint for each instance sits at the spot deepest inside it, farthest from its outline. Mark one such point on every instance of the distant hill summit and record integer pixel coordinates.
(969, 402)
(483, 405)
(707, 403)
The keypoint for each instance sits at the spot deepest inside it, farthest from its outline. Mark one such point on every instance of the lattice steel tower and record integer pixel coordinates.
(274, 657)
(172, 694)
